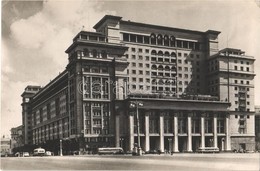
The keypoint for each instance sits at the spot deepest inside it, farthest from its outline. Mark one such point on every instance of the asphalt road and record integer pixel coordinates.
(178, 162)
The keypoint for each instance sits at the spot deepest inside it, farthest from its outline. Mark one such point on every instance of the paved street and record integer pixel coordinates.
(149, 162)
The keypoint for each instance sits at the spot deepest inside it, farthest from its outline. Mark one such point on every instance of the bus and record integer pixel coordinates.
(110, 150)
(39, 152)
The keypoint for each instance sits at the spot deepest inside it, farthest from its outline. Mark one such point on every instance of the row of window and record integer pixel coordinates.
(91, 37)
(154, 125)
(161, 41)
(52, 109)
(241, 82)
(241, 68)
(87, 53)
(96, 87)
(95, 69)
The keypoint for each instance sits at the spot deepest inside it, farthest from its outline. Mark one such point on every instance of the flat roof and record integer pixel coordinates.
(106, 17)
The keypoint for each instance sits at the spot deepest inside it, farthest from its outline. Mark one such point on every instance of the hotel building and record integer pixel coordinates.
(187, 92)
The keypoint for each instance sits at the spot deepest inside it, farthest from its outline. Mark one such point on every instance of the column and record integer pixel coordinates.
(189, 142)
(117, 131)
(175, 141)
(215, 138)
(147, 138)
(202, 131)
(227, 140)
(131, 132)
(161, 133)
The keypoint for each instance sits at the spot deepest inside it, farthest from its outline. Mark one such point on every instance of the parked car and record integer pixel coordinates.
(48, 153)
(26, 154)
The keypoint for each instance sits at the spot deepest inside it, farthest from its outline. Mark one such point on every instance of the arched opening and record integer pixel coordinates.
(172, 41)
(153, 39)
(161, 82)
(166, 54)
(167, 68)
(173, 54)
(166, 40)
(154, 67)
(153, 52)
(159, 39)
(160, 53)
(160, 67)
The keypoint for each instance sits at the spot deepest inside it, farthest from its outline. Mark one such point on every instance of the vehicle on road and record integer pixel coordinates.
(39, 152)
(110, 150)
(48, 153)
(208, 150)
(26, 154)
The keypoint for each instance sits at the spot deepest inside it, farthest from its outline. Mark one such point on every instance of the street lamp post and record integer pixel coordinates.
(136, 104)
(61, 148)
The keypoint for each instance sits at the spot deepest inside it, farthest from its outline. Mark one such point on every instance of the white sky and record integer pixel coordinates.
(35, 36)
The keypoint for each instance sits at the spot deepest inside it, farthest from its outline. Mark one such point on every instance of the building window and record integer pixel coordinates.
(168, 125)
(182, 125)
(196, 126)
(208, 125)
(132, 39)
(153, 39)
(159, 40)
(220, 126)
(153, 123)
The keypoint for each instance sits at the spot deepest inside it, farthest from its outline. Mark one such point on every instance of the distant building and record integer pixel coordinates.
(5, 146)
(187, 92)
(17, 137)
(28, 93)
(257, 127)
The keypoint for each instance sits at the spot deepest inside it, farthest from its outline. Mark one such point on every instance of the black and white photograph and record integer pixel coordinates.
(130, 85)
